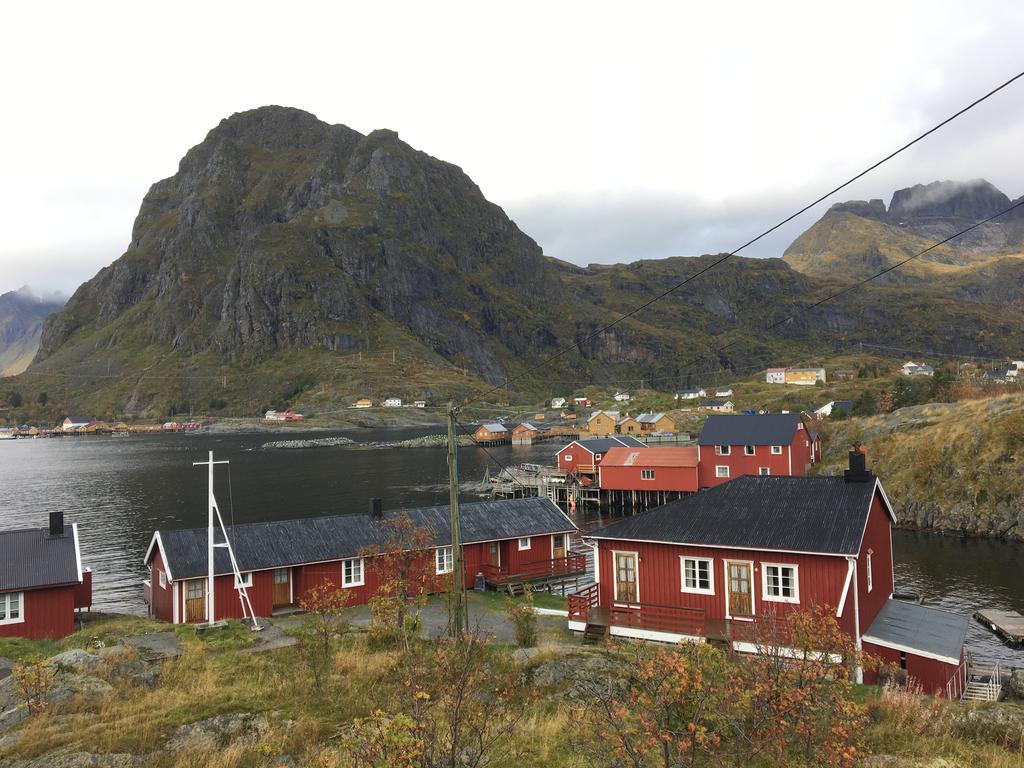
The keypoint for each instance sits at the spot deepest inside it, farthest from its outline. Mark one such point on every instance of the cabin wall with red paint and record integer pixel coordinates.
(820, 578)
(740, 464)
(931, 674)
(682, 479)
(49, 613)
(163, 599)
(877, 539)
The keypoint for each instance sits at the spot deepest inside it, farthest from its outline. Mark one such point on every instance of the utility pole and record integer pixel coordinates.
(211, 504)
(458, 620)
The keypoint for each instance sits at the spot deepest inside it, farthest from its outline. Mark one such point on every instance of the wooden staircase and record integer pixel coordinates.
(595, 634)
(973, 682)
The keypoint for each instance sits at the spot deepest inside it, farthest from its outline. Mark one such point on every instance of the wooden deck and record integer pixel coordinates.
(1009, 625)
(536, 572)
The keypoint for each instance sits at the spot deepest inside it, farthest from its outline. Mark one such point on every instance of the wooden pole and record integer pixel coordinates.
(458, 620)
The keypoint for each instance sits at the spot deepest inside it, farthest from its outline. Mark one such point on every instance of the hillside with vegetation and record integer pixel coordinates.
(950, 466)
(289, 262)
(21, 325)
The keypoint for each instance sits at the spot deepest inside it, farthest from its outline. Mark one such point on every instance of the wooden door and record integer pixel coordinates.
(739, 589)
(626, 577)
(558, 546)
(282, 587)
(195, 600)
(494, 554)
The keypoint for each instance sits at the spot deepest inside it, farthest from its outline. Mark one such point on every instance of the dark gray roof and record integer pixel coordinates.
(920, 628)
(843, 405)
(777, 513)
(605, 444)
(746, 429)
(259, 546)
(31, 558)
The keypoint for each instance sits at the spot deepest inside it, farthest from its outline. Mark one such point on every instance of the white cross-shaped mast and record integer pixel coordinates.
(212, 505)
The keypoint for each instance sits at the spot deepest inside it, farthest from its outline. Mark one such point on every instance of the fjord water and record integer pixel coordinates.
(119, 490)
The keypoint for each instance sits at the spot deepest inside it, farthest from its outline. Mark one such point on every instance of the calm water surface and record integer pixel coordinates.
(120, 490)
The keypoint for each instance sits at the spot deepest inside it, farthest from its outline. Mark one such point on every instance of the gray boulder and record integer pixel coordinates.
(76, 660)
(219, 731)
(66, 687)
(6, 665)
(1013, 686)
(82, 760)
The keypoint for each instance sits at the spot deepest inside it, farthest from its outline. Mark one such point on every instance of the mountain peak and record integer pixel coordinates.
(975, 199)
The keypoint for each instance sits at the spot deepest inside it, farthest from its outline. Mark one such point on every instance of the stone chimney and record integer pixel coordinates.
(376, 508)
(858, 471)
(56, 523)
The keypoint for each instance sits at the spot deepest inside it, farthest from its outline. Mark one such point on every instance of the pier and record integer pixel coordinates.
(1009, 625)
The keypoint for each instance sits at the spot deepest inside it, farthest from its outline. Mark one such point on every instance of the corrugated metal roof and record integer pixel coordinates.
(650, 457)
(791, 514)
(31, 558)
(746, 429)
(495, 427)
(605, 444)
(649, 418)
(920, 628)
(259, 546)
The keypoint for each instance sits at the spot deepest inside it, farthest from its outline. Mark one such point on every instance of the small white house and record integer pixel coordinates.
(622, 397)
(558, 402)
(690, 394)
(718, 406)
(419, 403)
(393, 402)
(911, 368)
(775, 376)
(723, 392)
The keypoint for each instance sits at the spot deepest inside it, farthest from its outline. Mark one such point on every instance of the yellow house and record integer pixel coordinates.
(805, 376)
(656, 422)
(364, 402)
(628, 426)
(602, 422)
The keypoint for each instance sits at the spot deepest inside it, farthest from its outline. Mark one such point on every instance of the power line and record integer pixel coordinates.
(565, 350)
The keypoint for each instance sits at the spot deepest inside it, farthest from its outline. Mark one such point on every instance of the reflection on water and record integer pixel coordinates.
(120, 490)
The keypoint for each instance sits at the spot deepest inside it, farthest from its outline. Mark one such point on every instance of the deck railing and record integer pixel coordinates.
(538, 570)
(658, 618)
(957, 684)
(580, 603)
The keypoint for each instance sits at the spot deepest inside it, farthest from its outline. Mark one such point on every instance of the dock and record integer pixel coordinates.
(1009, 625)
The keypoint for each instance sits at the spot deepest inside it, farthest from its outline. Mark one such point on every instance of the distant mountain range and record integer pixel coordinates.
(21, 325)
(292, 261)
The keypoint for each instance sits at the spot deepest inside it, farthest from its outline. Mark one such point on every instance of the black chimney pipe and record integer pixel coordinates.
(858, 471)
(56, 523)
(376, 508)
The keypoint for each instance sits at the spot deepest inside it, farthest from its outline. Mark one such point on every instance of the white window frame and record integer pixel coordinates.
(162, 580)
(795, 581)
(346, 581)
(749, 450)
(568, 457)
(528, 545)
(5, 607)
(246, 580)
(444, 560)
(709, 562)
(719, 468)
(776, 450)
(723, 450)
(764, 471)
(646, 474)
(871, 581)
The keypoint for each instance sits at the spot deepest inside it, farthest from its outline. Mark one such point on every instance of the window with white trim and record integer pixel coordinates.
(870, 579)
(163, 580)
(764, 471)
(646, 474)
(780, 583)
(697, 575)
(12, 609)
(568, 457)
(749, 450)
(524, 544)
(723, 450)
(444, 561)
(352, 572)
(777, 450)
(721, 470)
(245, 581)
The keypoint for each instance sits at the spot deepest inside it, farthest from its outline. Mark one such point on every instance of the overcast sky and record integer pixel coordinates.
(609, 132)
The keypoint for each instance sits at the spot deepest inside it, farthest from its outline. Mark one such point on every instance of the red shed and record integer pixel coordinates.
(649, 469)
(770, 444)
(714, 564)
(520, 540)
(583, 456)
(42, 582)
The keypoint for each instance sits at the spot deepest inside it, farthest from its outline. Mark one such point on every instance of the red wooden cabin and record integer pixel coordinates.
(769, 444)
(42, 582)
(649, 469)
(583, 456)
(511, 540)
(719, 563)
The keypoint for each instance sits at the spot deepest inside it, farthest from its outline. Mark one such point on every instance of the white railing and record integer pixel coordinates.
(957, 684)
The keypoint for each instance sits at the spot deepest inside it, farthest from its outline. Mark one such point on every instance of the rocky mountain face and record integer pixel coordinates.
(21, 324)
(288, 257)
(858, 238)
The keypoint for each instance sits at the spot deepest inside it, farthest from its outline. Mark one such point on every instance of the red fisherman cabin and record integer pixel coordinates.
(767, 445)
(42, 582)
(649, 469)
(583, 456)
(715, 564)
(506, 541)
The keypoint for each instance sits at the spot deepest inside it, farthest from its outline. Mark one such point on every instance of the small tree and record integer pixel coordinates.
(321, 628)
(524, 618)
(33, 680)
(42, 399)
(403, 565)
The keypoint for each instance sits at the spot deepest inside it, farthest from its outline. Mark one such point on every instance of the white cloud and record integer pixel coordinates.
(609, 134)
